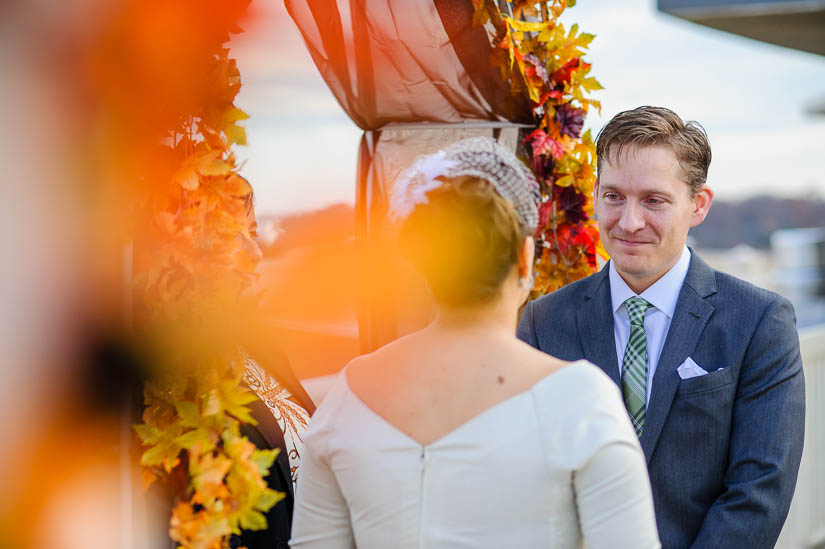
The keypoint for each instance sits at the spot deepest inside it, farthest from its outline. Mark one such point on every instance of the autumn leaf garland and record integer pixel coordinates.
(197, 257)
(543, 60)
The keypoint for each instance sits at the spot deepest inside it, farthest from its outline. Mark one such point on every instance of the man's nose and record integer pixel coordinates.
(632, 218)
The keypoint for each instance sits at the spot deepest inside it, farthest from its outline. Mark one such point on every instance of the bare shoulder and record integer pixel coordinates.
(370, 370)
(360, 372)
(530, 366)
(539, 362)
(585, 375)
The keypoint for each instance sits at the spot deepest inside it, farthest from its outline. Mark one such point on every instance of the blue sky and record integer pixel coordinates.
(749, 96)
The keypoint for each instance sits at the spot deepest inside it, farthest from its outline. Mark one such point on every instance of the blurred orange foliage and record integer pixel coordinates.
(159, 88)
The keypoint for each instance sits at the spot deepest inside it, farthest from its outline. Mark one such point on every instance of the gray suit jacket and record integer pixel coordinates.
(722, 449)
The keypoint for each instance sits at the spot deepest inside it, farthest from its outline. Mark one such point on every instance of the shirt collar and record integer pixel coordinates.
(663, 294)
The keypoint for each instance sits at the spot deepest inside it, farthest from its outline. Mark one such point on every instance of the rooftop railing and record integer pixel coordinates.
(805, 527)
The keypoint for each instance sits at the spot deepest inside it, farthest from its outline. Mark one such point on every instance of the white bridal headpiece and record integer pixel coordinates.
(481, 157)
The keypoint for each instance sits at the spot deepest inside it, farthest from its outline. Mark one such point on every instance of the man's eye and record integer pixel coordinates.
(611, 196)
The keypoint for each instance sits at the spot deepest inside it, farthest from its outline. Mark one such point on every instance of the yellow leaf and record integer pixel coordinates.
(585, 38)
(591, 84)
(268, 498)
(214, 166)
(203, 163)
(235, 114)
(528, 26)
(253, 520)
(551, 36)
(242, 413)
(159, 454)
(535, 92)
(194, 437)
(210, 470)
(211, 404)
(567, 165)
(235, 134)
(188, 412)
(593, 102)
(147, 433)
(480, 15)
(238, 448)
(186, 178)
(263, 460)
(585, 185)
(235, 185)
(565, 181)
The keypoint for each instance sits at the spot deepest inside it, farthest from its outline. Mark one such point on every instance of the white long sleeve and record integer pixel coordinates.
(321, 517)
(614, 501)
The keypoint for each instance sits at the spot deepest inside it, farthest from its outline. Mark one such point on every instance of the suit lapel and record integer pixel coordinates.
(689, 319)
(595, 324)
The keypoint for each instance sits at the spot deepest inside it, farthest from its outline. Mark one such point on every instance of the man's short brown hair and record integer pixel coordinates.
(658, 126)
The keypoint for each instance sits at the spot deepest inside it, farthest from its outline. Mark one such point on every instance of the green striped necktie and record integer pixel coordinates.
(634, 365)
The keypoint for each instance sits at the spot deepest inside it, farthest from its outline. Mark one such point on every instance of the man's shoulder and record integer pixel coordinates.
(569, 295)
(730, 288)
(550, 323)
(732, 295)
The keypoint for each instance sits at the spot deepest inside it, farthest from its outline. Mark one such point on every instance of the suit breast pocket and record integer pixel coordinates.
(709, 382)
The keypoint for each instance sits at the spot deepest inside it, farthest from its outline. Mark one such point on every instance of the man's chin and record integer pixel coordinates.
(633, 266)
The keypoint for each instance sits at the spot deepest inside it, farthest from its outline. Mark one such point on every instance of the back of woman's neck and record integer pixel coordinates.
(475, 320)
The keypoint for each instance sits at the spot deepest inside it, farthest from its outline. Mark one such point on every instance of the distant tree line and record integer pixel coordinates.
(332, 225)
(729, 223)
(752, 221)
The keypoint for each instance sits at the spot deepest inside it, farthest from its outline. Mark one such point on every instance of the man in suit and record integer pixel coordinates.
(709, 365)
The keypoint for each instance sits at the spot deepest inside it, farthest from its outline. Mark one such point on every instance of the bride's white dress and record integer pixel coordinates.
(557, 465)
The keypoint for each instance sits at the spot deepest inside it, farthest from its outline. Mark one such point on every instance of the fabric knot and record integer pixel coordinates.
(636, 307)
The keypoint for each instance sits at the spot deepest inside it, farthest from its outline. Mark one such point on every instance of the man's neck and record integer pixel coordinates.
(640, 284)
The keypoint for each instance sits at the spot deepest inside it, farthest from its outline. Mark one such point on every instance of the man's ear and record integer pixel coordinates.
(525, 257)
(595, 199)
(701, 205)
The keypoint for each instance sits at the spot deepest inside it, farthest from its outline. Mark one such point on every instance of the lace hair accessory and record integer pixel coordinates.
(481, 157)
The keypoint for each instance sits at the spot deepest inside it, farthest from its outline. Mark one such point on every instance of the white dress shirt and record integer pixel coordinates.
(662, 295)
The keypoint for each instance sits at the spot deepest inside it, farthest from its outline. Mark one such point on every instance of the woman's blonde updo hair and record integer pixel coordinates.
(463, 222)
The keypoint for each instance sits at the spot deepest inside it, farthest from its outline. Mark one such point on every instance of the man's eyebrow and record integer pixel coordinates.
(607, 187)
(660, 192)
(603, 188)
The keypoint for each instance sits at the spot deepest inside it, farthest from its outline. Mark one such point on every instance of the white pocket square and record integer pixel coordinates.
(690, 369)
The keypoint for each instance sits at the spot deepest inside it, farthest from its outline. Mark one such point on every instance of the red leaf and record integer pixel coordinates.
(544, 144)
(552, 94)
(544, 214)
(562, 75)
